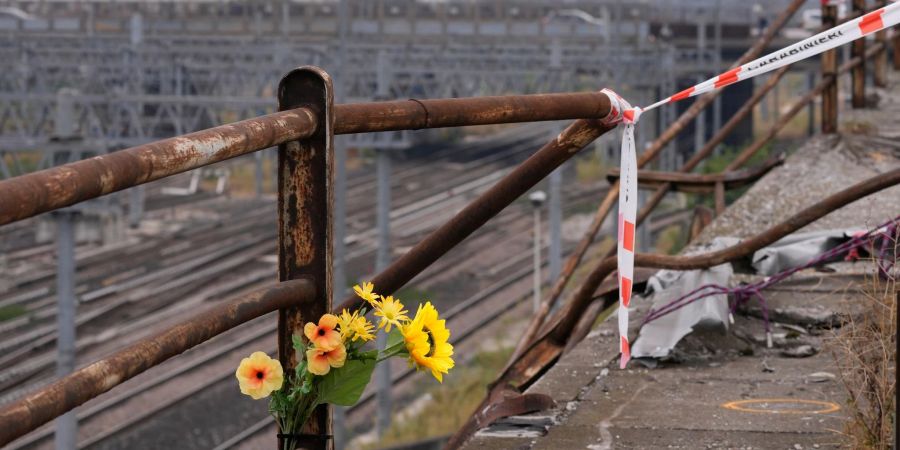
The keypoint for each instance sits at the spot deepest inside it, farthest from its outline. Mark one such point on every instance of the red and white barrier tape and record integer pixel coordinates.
(622, 112)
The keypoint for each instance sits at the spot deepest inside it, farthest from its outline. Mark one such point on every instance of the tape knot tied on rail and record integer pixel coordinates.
(620, 111)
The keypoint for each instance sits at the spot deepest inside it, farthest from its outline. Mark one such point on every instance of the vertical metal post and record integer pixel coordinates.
(700, 129)
(304, 221)
(880, 69)
(811, 107)
(340, 196)
(858, 50)
(554, 218)
(67, 424)
(717, 64)
(382, 261)
(776, 103)
(340, 275)
(258, 173)
(383, 256)
(720, 198)
(537, 199)
(700, 123)
(136, 206)
(136, 27)
(897, 52)
(537, 259)
(285, 17)
(829, 70)
(64, 114)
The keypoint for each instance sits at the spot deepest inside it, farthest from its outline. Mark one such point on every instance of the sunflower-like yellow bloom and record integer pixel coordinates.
(355, 326)
(391, 312)
(259, 375)
(365, 292)
(325, 334)
(426, 338)
(319, 361)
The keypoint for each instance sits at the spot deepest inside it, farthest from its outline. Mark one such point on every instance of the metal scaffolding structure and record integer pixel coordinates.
(156, 69)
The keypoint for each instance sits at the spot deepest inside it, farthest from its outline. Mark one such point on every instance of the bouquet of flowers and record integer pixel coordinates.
(338, 365)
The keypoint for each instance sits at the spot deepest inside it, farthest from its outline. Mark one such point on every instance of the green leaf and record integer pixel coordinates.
(344, 386)
(371, 354)
(298, 343)
(395, 337)
(300, 370)
(306, 387)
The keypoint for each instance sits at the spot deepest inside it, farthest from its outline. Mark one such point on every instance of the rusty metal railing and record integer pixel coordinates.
(39, 192)
(304, 130)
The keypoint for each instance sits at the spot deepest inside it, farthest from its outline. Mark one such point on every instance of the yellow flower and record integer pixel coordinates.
(345, 321)
(391, 312)
(324, 334)
(355, 326)
(259, 375)
(365, 292)
(319, 361)
(426, 338)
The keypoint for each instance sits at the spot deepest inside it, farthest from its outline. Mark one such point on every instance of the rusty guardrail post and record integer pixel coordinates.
(858, 49)
(829, 70)
(304, 221)
(897, 48)
(880, 69)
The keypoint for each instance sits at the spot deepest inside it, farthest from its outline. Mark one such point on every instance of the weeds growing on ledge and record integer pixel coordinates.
(864, 349)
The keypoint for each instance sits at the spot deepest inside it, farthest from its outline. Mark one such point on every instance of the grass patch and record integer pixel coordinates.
(717, 163)
(10, 312)
(858, 127)
(451, 403)
(864, 352)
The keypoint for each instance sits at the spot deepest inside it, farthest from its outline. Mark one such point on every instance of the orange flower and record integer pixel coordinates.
(324, 335)
(259, 375)
(319, 361)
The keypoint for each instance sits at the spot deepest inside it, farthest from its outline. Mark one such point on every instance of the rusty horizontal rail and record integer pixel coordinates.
(454, 112)
(700, 183)
(62, 396)
(39, 192)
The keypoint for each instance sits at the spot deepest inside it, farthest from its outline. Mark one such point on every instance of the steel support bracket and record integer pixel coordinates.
(305, 199)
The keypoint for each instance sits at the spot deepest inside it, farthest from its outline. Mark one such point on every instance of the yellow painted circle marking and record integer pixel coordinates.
(748, 406)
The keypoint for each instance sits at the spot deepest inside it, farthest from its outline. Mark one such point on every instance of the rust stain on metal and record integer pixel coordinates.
(50, 189)
(302, 187)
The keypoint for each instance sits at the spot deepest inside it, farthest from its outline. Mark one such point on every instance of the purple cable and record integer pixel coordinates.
(744, 292)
